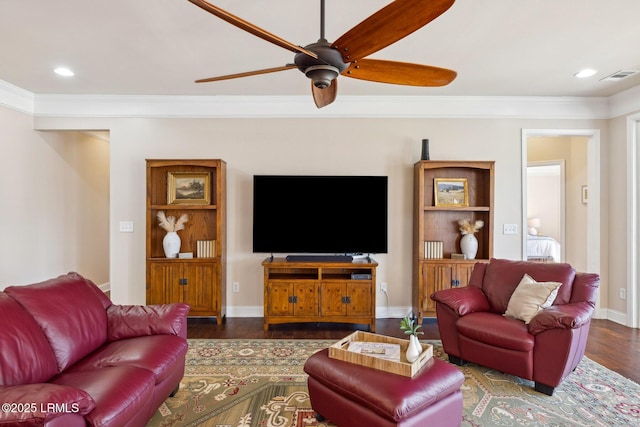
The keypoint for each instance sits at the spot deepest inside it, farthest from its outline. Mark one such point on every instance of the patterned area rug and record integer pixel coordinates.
(260, 383)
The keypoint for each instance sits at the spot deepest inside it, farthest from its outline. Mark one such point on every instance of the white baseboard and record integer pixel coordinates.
(615, 316)
(105, 287)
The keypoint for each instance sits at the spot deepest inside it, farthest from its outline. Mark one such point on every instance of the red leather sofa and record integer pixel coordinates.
(69, 357)
(473, 327)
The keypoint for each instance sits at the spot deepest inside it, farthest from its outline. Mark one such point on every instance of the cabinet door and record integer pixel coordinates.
(279, 293)
(463, 273)
(199, 291)
(306, 302)
(359, 298)
(331, 301)
(163, 285)
(435, 277)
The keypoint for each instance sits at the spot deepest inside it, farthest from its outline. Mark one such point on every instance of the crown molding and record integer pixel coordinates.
(16, 98)
(303, 107)
(133, 106)
(626, 102)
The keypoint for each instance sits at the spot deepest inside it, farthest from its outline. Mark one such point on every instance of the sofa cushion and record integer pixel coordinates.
(531, 297)
(128, 321)
(495, 330)
(159, 354)
(121, 393)
(503, 276)
(69, 312)
(25, 354)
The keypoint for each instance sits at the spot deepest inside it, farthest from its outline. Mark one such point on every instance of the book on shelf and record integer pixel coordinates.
(433, 249)
(459, 256)
(185, 255)
(206, 248)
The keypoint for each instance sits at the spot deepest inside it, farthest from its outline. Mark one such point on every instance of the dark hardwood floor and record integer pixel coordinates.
(612, 345)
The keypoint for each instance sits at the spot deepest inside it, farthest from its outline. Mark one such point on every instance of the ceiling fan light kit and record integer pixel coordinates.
(323, 62)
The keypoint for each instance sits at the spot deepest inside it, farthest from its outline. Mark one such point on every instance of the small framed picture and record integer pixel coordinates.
(585, 194)
(452, 192)
(188, 188)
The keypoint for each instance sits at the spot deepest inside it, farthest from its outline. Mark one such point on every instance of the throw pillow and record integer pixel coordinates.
(531, 297)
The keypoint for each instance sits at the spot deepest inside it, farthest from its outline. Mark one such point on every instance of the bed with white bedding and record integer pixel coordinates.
(543, 248)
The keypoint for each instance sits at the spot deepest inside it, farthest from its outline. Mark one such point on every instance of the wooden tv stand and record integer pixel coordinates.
(309, 291)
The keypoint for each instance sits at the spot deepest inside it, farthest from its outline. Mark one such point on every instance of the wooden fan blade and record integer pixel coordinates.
(400, 73)
(324, 97)
(247, 74)
(388, 25)
(250, 28)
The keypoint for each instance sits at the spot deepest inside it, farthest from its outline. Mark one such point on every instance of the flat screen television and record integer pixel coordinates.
(313, 214)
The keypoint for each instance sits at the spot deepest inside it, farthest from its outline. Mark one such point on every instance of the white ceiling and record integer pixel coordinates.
(159, 47)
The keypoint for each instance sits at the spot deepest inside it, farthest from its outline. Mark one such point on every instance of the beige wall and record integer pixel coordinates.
(314, 146)
(287, 146)
(54, 194)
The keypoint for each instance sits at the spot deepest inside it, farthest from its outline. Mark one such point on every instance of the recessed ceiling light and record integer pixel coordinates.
(587, 72)
(63, 71)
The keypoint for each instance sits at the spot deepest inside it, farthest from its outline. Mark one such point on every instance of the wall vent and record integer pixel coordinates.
(619, 75)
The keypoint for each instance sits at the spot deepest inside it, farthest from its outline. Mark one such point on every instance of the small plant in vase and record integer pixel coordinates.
(410, 326)
(469, 243)
(171, 242)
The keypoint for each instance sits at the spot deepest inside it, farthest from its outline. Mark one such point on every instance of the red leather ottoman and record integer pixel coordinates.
(352, 395)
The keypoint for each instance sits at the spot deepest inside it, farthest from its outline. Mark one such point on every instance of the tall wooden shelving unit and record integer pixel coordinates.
(437, 223)
(199, 281)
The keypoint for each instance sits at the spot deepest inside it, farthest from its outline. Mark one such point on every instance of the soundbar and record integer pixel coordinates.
(319, 258)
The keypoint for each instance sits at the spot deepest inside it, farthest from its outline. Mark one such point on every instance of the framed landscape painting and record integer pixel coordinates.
(188, 188)
(451, 192)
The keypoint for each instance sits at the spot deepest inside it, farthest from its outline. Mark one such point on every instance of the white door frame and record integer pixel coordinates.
(633, 194)
(593, 182)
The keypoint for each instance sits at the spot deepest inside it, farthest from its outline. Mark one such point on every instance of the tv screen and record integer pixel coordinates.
(319, 214)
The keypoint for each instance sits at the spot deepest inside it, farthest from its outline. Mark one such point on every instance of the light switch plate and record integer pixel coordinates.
(510, 229)
(126, 226)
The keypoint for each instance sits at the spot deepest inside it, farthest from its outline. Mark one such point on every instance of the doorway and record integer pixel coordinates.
(545, 231)
(590, 229)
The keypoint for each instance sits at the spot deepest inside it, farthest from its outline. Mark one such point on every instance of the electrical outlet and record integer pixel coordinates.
(235, 286)
(383, 287)
(126, 226)
(510, 229)
(623, 293)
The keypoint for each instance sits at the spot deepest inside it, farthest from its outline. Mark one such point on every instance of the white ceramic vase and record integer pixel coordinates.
(171, 244)
(469, 246)
(414, 349)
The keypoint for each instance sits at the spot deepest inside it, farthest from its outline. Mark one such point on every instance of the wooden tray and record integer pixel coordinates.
(403, 367)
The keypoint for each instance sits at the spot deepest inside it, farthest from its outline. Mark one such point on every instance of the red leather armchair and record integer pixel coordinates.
(473, 327)
(69, 357)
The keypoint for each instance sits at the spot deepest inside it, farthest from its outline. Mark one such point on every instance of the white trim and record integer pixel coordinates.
(301, 106)
(593, 181)
(105, 287)
(625, 102)
(633, 194)
(614, 316)
(16, 98)
(46, 105)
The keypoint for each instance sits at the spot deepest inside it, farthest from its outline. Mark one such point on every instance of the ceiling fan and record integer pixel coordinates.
(323, 62)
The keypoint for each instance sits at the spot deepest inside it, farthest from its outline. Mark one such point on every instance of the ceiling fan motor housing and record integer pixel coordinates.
(323, 70)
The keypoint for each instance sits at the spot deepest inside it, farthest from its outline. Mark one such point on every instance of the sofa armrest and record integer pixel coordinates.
(36, 404)
(128, 321)
(463, 300)
(564, 316)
